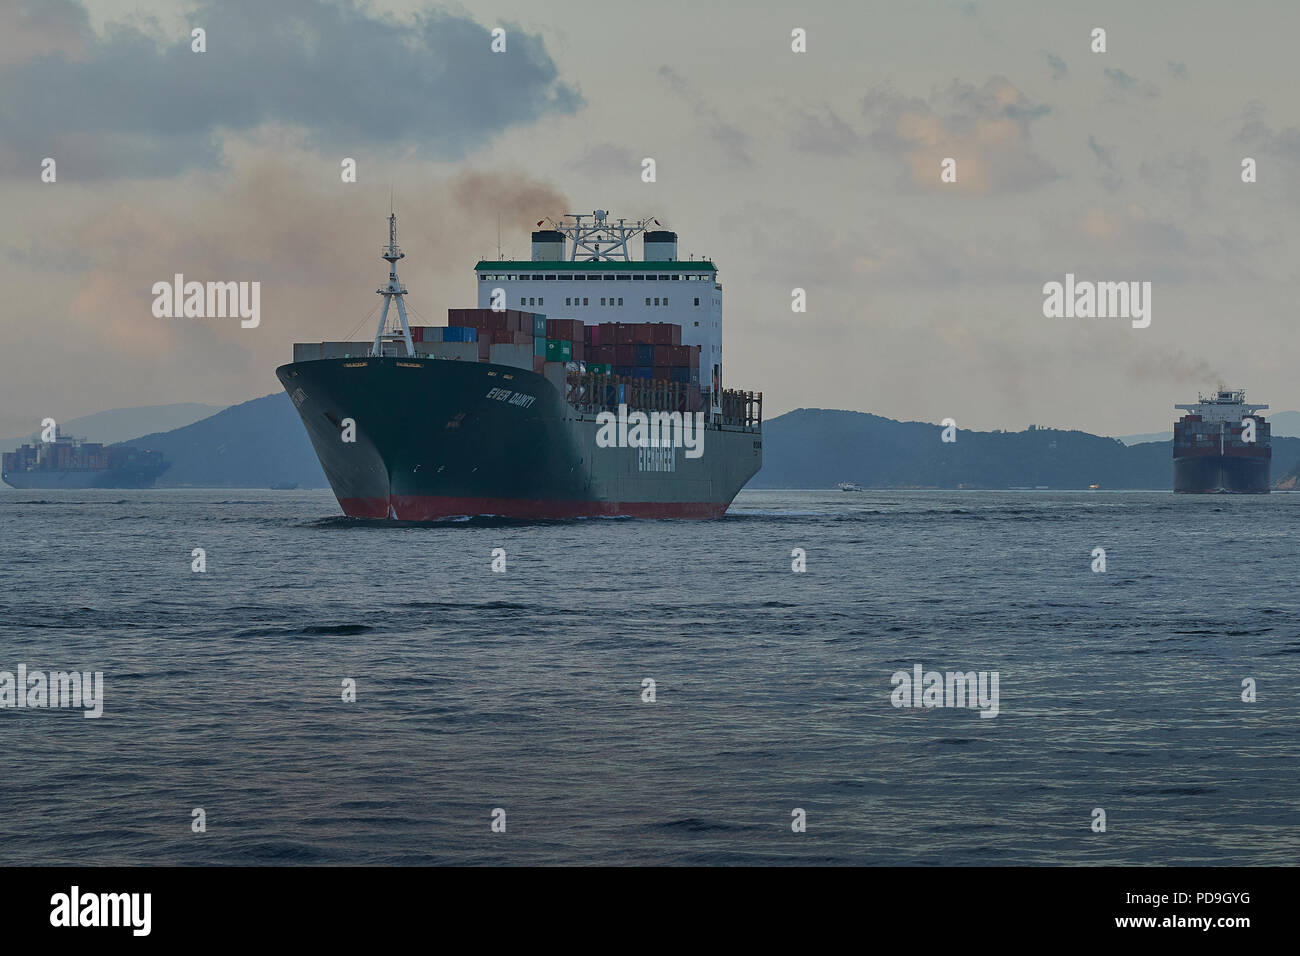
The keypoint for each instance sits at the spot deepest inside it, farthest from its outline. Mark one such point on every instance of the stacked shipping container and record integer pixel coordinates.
(637, 350)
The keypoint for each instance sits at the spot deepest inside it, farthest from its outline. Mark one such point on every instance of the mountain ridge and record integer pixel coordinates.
(261, 442)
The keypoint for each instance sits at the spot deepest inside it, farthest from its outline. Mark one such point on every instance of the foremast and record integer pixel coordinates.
(392, 294)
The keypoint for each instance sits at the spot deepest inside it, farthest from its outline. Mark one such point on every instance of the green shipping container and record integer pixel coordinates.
(558, 350)
(600, 368)
(539, 346)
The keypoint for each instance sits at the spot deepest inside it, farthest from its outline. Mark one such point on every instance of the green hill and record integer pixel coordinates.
(261, 442)
(252, 445)
(816, 448)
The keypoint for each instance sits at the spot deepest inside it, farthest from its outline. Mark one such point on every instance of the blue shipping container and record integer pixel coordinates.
(642, 372)
(645, 355)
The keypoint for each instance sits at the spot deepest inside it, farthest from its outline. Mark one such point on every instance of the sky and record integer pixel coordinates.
(817, 170)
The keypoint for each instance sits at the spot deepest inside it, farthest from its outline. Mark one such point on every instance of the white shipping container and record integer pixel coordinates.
(516, 356)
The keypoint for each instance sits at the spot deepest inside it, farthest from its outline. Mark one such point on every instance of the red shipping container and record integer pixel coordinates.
(463, 317)
(663, 356)
(591, 334)
(539, 364)
(417, 333)
(624, 355)
(484, 348)
(481, 319)
(642, 334)
(601, 353)
(570, 330)
(623, 334)
(579, 351)
(662, 333)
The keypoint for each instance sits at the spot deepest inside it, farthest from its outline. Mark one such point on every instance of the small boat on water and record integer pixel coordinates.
(848, 486)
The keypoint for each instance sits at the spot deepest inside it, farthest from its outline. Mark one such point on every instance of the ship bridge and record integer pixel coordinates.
(1223, 405)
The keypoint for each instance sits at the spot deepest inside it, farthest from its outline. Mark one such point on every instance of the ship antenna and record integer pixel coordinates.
(392, 292)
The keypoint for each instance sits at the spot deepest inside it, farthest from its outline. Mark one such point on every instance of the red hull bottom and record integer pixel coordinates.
(431, 508)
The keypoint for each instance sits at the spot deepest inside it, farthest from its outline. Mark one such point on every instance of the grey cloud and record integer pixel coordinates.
(607, 159)
(734, 141)
(824, 132)
(985, 128)
(1260, 136)
(43, 26)
(130, 105)
(1126, 83)
(1056, 64)
(1186, 173)
(1179, 70)
(1109, 177)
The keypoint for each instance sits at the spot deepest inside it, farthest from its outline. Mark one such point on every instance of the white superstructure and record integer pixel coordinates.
(582, 268)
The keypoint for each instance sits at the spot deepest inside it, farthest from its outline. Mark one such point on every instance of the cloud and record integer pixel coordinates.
(734, 142)
(1264, 139)
(1109, 178)
(986, 129)
(1056, 64)
(607, 159)
(824, 132)
(1178, 70)
(134, 105)
(1125, 83)
(1184, 173)
(1129, 241)
(36, 27)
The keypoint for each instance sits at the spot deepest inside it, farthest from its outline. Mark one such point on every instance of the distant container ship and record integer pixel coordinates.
(506, 411)
(76, 463)
(1222, 446)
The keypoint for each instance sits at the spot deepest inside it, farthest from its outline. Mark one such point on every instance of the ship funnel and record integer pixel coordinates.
(660, 246)
(548, 245)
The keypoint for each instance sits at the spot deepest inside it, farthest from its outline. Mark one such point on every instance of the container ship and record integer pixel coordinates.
(514, 410)
(76, 463)
(1222, 446)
